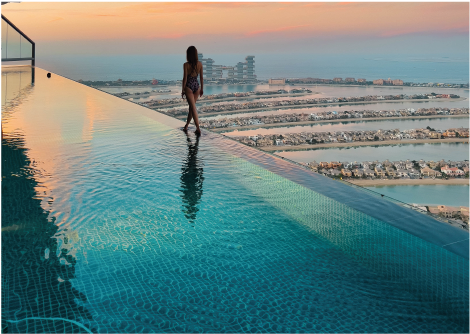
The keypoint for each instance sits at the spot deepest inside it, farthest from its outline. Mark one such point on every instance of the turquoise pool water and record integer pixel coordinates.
(113, 220)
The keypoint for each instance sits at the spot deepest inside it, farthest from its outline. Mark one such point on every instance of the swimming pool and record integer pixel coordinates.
(113, 220)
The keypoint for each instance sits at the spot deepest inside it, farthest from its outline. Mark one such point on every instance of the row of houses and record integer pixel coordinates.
(309, 138)
(280, 103)
(397, 169)
(332, 115)
(446, 211)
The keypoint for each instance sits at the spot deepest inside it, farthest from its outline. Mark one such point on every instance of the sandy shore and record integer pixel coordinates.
(362, 143)
(296, 106)
(403, 182)
(233, 98)
(352, 120)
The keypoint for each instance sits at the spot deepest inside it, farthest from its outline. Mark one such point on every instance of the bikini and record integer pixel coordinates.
(192, 83)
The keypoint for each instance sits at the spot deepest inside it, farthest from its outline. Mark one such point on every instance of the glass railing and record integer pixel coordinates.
(16, 46)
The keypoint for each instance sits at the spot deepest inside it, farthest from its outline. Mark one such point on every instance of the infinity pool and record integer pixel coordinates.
(114, 220)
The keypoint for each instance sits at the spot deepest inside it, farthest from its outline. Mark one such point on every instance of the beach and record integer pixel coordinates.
(408, 182)
(362, 143)
(238, 111)
(290, 124)
(231, 98)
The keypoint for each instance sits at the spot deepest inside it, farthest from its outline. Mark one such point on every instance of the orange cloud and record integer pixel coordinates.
(115, 20)
(55, 19)
(252, 33)
(166, 36)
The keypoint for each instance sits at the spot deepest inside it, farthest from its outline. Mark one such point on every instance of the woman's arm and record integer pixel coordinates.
(202, 82)
(184, 80)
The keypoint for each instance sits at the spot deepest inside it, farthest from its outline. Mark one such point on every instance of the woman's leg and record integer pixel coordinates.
(192, 107)
(188, 93)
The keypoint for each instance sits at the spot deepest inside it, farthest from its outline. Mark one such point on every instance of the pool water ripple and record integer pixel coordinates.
(149, 230)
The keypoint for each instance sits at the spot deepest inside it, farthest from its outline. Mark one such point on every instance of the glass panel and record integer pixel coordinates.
(26, 48)
(4, 38)
(13, 43)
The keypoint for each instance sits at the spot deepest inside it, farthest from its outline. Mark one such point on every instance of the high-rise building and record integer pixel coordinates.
(250, 68)
(241, 71)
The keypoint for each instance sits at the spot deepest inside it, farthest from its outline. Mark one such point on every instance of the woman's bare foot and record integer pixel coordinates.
(185, 129)
(198, 132)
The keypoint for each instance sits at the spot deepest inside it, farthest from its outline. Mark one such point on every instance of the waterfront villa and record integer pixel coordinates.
(426, 171)
(414, 173)
(379, 172)
(368, 172)
(454, 171)
(391, 172)
(357, 172)
(402, 173)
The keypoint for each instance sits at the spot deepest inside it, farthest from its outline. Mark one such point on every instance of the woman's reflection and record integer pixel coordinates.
(191, 181)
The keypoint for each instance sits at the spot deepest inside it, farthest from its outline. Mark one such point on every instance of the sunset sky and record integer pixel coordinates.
(143, 28)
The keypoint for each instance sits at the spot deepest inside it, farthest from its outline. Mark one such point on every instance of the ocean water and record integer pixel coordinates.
(455, 195)
(452, 69)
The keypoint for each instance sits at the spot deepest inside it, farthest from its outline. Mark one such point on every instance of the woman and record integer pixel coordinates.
(192, 68)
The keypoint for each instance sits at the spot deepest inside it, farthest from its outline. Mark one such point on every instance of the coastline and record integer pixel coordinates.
(233, 98)
(296, 106)
(352, 120)
(408, 182)
(353, 144)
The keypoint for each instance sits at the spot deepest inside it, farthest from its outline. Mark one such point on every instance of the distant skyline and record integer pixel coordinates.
(243, 28)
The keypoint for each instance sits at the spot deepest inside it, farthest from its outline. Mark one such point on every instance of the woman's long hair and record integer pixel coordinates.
(191, 57)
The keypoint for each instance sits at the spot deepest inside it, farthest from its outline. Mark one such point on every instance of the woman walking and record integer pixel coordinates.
(192, 68)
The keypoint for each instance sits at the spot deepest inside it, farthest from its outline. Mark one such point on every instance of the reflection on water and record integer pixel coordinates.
(35, 274)
(191, 180)
(17, 82)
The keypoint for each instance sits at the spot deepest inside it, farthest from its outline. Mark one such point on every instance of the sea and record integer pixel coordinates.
(416, 68)
(437, 68)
